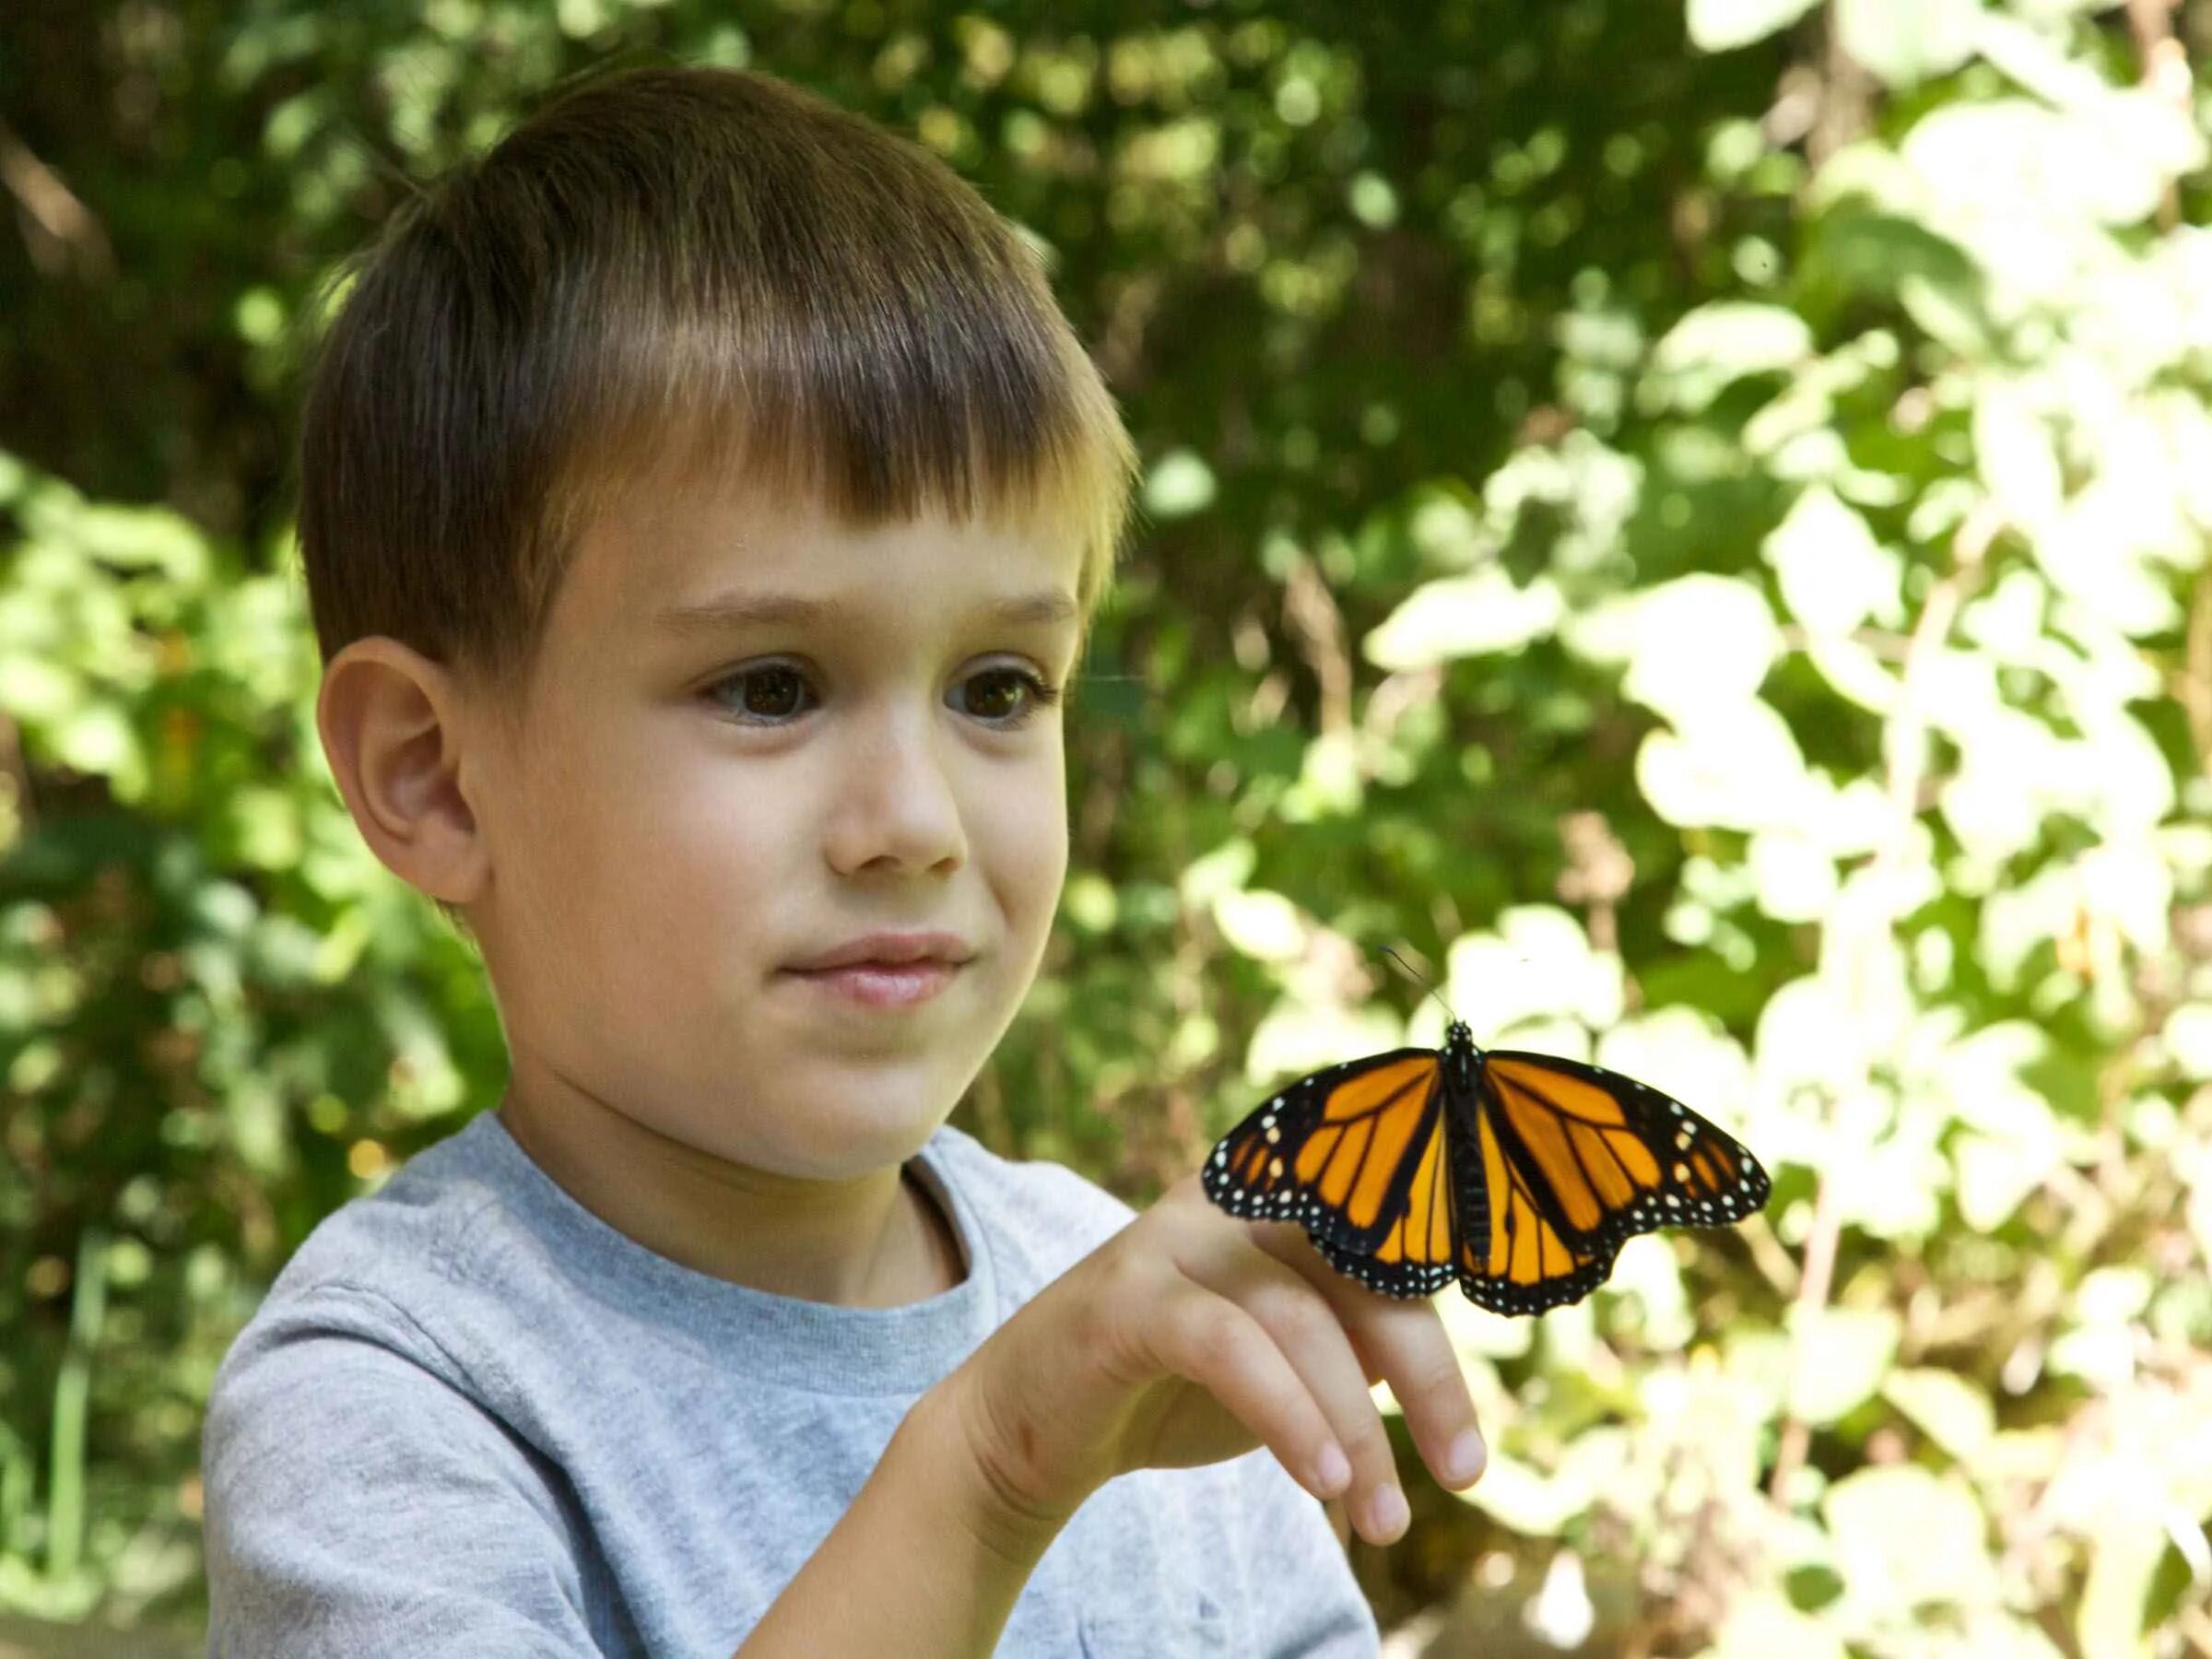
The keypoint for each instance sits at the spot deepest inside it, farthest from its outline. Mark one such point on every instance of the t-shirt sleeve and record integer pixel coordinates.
(358, 1503)
(1306, 1602)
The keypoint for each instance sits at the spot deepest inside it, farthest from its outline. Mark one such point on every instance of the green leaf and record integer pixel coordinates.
(1464, 616)
(1735, 765)
(1951, 1411)
(254, 1115)
(1702, 641)
(1904, 41)
(1225, 869)
(1906, 1539)
(2020, 465)
(1539, 962)
(1719, 344)
(2123, 1553)
(1833, 573)
(98, 739)
(1794, 877)
(1523, 1500)
(1762, 1624)
(142, 538)
(1839, 1358)
(37, 692)
(1296, 1037)
(1720, 25)
(1179, 484)
(1263, 926)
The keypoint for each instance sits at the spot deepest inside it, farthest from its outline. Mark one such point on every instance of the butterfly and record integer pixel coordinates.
(1519, 1174)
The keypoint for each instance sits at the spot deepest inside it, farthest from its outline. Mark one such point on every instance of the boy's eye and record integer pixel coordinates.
(774, 693)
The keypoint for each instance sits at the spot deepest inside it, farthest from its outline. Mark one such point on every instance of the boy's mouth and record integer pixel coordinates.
(884, 985)
(890, 951)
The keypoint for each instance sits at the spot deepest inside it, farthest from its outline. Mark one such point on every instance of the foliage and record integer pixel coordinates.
(1689, 523)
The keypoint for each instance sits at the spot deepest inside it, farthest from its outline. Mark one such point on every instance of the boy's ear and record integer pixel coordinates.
(390, 720)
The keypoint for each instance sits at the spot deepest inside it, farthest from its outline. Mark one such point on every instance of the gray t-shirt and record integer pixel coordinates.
(472, 1418)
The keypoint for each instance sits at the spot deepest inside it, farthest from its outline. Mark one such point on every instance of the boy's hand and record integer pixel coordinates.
(1191, 1337)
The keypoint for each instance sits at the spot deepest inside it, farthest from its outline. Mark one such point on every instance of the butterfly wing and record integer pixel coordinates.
(1360, 1155)
(1519, 1261)
(1604, 1157)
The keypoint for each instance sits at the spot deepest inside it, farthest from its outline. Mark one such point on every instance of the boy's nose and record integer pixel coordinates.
(897, 802)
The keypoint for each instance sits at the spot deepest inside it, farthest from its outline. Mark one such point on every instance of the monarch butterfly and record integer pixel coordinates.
(1521, 1174)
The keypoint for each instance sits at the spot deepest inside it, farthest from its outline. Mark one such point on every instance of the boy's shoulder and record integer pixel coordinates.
(407, 1231)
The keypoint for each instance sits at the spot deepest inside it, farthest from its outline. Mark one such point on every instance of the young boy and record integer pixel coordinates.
(703, 502)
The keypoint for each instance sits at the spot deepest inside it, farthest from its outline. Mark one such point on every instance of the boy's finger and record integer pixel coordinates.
(1213, 1341)
(1401, 1340)
(1310, 1332)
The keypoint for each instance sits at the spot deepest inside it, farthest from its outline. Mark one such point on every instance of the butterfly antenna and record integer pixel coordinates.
(1401, 961)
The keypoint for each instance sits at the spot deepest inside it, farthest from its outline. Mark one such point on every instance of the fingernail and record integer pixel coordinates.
(1387, 1510)
(1334, 1469)
(1463, 1461)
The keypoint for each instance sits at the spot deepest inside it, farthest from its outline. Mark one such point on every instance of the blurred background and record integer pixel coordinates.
(1688, 520)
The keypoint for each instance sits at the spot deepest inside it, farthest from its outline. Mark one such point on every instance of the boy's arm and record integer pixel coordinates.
(925, 1561)
(928, 1561)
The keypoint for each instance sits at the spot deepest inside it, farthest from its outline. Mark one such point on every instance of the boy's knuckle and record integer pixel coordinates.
(1209, 1336)
(1299, 1321)
(1313, 1325)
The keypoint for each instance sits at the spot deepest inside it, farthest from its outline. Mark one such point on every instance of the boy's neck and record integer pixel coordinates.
(878, 1241)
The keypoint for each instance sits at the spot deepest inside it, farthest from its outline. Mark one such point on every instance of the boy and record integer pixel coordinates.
(703, 503)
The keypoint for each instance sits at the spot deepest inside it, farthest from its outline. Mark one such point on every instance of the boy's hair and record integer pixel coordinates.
(670, 268)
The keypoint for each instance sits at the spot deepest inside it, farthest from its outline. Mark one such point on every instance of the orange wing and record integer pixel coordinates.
(1518, 1262)
(1604, 1157)
(1360, 1155)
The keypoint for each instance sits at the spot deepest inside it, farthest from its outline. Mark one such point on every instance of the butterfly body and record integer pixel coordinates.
(1518, 1174)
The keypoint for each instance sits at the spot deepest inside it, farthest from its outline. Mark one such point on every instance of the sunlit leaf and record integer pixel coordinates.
(1841, 1355)
(1908, 41)
(1264, 925)
(1951, 1411)
(1462, 617)
(1539, 962)
(1907, 1540)
(1701, 641)
(1178, 485)
(1834, 574)
(1719, 25)
(1721, 343)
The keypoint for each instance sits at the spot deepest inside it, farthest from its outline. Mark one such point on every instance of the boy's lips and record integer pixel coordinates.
(888, 950)
(884, 985)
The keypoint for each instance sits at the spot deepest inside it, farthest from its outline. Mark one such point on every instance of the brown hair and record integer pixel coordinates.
(671, 266)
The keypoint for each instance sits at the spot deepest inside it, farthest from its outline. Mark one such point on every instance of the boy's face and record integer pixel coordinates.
(694, 807)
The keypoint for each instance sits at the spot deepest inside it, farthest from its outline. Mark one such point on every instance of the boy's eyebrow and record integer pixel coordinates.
(737, 608)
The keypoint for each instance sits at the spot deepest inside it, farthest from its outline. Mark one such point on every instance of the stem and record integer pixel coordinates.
(2193, 686)
(72, 1396)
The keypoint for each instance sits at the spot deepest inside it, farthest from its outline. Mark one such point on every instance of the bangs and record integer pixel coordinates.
(911, 403)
